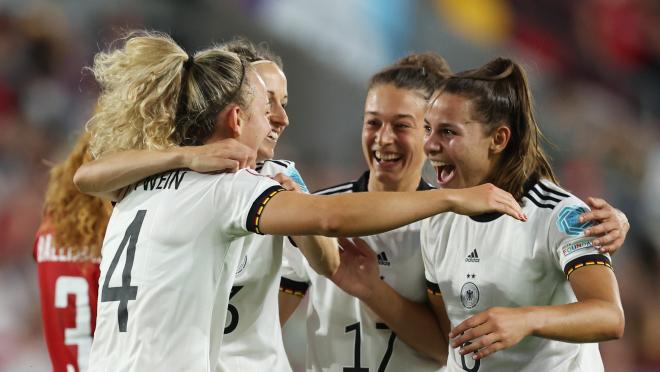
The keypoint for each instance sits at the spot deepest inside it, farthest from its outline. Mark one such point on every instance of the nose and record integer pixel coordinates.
(431, 146)
(385, 135)
(278, 117)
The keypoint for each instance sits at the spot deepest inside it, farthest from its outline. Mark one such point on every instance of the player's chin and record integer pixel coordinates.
(265, 152)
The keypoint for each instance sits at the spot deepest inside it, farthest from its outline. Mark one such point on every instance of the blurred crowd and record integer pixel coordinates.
(596, 79)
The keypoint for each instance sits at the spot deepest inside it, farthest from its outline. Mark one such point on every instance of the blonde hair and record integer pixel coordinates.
(154, 95)
(78, 220)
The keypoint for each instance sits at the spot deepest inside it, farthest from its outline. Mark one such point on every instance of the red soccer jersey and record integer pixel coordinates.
(68, 288)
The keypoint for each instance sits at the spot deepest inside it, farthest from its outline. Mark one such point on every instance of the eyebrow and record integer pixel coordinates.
(397, 116)
(272, 93)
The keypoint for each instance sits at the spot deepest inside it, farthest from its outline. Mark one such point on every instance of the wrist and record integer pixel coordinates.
(450, 198)
(180, 157)
(376, 290)
(534, 320)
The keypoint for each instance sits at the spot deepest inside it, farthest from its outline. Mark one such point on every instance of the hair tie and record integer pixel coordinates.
(189, 62)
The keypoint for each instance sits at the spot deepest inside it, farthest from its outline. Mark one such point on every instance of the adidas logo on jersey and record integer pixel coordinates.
(472, 257)
(382, 259)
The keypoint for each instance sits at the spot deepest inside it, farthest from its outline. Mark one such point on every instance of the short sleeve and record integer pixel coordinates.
(240, 205)
(286, 167)
(427, 257)
(295, 279)
(570, 247)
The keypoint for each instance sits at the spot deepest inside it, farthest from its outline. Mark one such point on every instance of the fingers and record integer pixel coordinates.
(346, 244)
(597, 203)
(511, 206)
(479, 343)
(492, 348)
(468, 323)
(608, 238)
(230, 149)
(602, 228)
(364, 248)
(474, 337)
(610, 242)
(597, 215)
(613, 247)
(286, 182)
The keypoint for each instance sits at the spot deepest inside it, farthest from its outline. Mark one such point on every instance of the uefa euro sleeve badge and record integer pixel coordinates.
(568, 220)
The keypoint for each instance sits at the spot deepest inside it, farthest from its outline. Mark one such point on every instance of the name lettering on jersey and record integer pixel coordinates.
(568, 220)
(574, 247)
(469, 295)
(382, 259)
(48, 252)
(472, 257)
(163, 181)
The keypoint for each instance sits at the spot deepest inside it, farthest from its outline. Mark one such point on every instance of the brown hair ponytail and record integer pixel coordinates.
(500, 93)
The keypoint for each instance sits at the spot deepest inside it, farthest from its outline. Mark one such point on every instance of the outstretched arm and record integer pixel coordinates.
(359, 214)
(413, 322)
(597, 316)
(105, 177)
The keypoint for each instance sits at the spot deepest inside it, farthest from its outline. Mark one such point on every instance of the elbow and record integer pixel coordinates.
(79, 180)
(619, 325)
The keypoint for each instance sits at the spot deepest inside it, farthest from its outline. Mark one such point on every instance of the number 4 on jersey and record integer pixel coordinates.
(126, 292)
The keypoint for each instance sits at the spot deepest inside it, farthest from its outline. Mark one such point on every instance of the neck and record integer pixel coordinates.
(407, 184)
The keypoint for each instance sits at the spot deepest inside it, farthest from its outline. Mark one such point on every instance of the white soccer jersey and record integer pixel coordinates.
(343, 334)
(476, 263)
(253, 335)
(168, 264)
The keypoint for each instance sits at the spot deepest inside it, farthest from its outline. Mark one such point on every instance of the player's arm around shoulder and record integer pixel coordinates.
(359, 214)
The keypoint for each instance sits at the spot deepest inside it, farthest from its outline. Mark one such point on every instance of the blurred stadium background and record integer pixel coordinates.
(594, 65)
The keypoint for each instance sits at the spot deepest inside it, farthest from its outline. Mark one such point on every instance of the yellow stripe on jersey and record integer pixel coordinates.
(585, 261)
(293, 287)
(258, 207)
(292, 292)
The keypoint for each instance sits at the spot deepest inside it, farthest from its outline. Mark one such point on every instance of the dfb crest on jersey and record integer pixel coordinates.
(568, 220)
(469, 295)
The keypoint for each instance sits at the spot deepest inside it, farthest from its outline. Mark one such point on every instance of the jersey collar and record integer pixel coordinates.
(362, 184)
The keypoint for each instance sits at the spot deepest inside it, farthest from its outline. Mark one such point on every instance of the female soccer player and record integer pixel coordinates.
(520, 297)
(350, 333)
(385, 271)
(67, 250)
(177, 238)
(253, 338)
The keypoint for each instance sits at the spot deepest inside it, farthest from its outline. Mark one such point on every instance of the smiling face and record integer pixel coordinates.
(393, 137)
(456, 144)
(276, 87)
